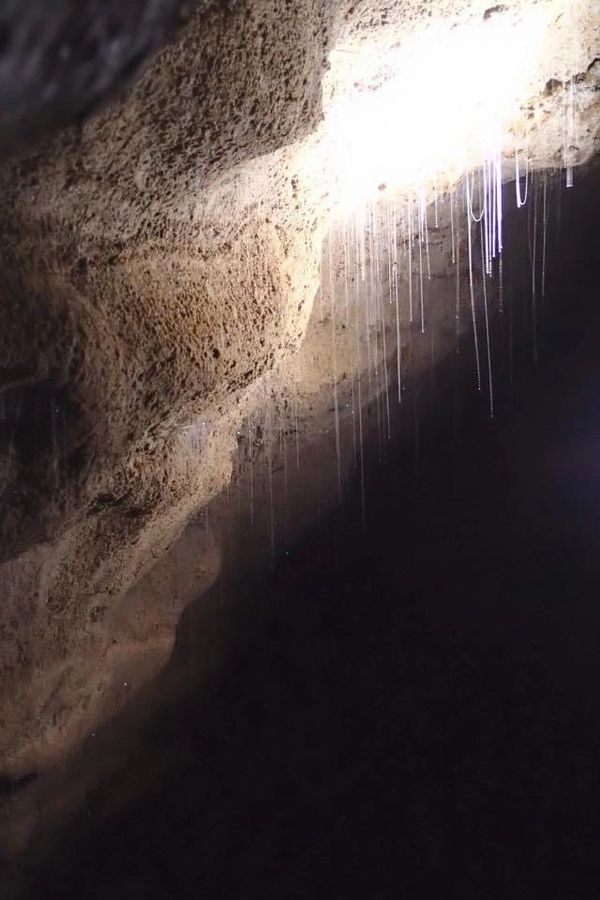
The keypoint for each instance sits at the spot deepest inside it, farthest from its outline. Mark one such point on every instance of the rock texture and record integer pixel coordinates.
(151, 295)
(158, 260)
(57, 68)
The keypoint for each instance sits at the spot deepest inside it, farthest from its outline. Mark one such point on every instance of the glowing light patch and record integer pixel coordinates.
(439, 103)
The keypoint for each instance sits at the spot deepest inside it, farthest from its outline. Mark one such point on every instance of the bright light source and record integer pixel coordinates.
(440, 102)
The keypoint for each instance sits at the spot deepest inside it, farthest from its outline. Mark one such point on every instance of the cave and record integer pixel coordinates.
(299, 424)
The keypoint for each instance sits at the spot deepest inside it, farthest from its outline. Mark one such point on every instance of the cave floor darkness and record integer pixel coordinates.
(421, 716)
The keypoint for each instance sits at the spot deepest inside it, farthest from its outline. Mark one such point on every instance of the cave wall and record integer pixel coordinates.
(159, 261)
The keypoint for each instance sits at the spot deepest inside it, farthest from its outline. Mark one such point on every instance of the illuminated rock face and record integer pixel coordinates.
(157, 261)
(143, 289)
